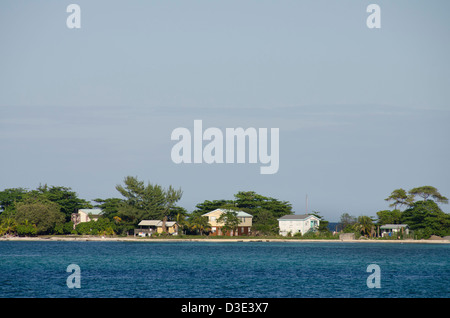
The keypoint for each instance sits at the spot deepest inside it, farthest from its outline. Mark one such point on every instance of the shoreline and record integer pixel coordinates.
(212, 240)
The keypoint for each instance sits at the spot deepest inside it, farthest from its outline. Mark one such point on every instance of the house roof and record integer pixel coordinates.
(94, 212)
(156, 223)
(294, 217)
(149, 222)
(393, 226)
(238, 213)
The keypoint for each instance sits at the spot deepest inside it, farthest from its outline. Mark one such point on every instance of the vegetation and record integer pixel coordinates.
(422, 214)
(48, 209)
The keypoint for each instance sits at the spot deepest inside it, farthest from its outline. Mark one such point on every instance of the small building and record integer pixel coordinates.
(298, 224)
(85, 215)
(149, 227)
(244, 227)
(391, 229)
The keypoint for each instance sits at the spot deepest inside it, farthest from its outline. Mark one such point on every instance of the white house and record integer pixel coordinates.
(391, 229)
(85, 215)
(297, 224)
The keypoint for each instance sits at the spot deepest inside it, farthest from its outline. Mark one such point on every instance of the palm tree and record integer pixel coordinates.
(8, 226)
(199, 223)
(365, 225)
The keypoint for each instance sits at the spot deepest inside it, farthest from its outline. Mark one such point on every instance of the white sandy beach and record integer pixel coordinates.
(212, 240)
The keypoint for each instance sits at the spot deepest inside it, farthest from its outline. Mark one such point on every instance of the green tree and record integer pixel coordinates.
(208, 206)
(197, 224)
(229, 220)
(400, 197)
(323, 224)
(347, 222)
(389, 217)
(8, 197)
(40, 212)
(8, 225)
(146, 201)
(265, 223)
(110, 207)
(26, 228)
(253, 203)
(171, 196)
(426, 218)
(426, 192)
(102, 226)
(365, 226)
(67, 199)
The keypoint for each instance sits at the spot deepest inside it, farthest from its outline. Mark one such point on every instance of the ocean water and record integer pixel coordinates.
(213, 269)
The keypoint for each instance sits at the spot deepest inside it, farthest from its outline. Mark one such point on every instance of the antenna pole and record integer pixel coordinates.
(306, 203)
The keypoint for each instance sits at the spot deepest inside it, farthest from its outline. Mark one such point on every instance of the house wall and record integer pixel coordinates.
(292, 226)
(170, 229)
(245, 221)
(84, 217)
(296, 226)
(240, 231)
(213, 216)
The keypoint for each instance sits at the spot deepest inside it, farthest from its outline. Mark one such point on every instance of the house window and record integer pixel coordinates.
(213, 229)
(213, 218)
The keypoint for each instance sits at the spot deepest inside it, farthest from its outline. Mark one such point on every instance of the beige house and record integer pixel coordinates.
(244, 227)
(149, 227)
(85, 215)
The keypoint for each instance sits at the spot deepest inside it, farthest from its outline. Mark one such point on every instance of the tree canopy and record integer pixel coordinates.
(149, 201)
(426, 218)
(426, 192)
(265, 210)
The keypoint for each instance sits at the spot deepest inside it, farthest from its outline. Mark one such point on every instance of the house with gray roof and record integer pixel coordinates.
(149, 227)
(298, 223)
(391, 229)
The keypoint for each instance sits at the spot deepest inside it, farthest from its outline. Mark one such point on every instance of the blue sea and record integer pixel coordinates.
(223, 270)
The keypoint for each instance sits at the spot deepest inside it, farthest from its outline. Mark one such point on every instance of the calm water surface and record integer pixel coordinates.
(212, 269)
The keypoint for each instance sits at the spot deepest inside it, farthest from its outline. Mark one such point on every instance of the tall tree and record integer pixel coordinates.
(110, 206)
(43, 213)
(67, 199)
(426, 192)
(347, 221)
(208, 206)
(265, 223)
(426, 218)
(365, 225)
(9, 197)
(400, 197)
(389, 217)
(149, 201)
(229, 220)
(197, 224)
(171, 197)
(323, 224)
(253, 203)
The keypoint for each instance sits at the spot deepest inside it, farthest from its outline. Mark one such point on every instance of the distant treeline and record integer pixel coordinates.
(48, 210)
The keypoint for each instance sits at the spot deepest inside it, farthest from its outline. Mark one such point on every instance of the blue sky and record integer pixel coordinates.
(361, 111)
